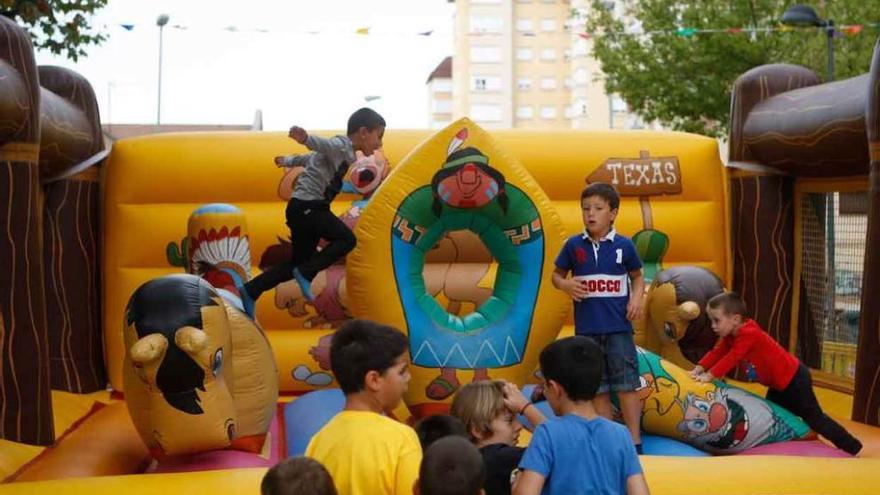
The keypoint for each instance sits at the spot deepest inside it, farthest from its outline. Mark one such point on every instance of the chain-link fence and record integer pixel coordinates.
(833, 227)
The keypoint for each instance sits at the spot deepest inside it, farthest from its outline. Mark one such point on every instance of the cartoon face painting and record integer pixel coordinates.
(722, 421)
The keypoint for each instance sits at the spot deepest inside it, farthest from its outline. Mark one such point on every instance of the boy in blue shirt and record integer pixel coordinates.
(607, 288)
(580, 452)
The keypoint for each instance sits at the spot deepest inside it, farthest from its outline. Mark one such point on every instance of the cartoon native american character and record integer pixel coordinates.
(729, 420)
(470, 202)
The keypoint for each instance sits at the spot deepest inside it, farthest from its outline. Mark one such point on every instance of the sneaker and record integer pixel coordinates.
(304, 285)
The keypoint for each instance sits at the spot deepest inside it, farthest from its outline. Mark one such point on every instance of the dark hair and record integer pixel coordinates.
(604, 191)
(729, 302)
(452, 466)
(435, 427)
(364, 117)
(575, 363)
(361, 346)
(297, 476)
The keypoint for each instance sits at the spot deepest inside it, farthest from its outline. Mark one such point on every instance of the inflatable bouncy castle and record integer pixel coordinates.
(457, 234)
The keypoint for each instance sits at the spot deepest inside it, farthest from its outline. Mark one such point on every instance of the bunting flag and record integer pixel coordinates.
(684, 32)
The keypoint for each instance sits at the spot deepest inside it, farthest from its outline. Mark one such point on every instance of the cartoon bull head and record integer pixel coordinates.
(177, 383)
(675, 303)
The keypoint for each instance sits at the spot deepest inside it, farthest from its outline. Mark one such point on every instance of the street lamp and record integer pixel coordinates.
(161, 21)
(805, 16)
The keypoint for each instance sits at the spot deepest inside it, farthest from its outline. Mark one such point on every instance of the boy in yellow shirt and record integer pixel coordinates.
(365, 451)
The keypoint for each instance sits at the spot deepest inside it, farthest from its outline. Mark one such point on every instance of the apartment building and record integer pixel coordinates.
(526, 64)
(440, 95)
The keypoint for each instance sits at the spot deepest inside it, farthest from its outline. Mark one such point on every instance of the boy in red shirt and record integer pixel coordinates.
(743, 342)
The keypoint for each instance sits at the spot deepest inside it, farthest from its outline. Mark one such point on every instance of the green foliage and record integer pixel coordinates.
(60, 26)
(683, 78)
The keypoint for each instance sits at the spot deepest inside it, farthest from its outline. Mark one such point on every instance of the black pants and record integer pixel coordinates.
(309, 222)
(799, 398)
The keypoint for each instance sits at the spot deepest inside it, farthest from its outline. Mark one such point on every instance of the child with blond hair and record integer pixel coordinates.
(489, 412)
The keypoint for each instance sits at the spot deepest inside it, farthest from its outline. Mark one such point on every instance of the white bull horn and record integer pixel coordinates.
(148, 348)
(688, 311)
(190, 339)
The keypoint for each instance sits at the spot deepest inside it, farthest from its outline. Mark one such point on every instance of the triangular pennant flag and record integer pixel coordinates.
(127, 27)
(585, 36)
(855, 29)
(686, 32)
(363, 31)
(735, 30)
(426, 33)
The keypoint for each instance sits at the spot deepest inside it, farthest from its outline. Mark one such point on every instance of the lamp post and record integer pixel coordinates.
(805, 16)
(161, 21)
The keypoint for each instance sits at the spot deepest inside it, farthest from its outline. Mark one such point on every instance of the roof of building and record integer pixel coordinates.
(444, 70)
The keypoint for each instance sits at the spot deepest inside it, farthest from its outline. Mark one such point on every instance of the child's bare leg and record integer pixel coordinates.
(631, 408)
(602, 404)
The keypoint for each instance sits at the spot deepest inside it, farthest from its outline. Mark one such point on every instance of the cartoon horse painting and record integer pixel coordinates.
(199, 374)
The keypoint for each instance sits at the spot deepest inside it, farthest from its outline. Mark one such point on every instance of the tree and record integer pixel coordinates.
(62, 26)
(683, 79)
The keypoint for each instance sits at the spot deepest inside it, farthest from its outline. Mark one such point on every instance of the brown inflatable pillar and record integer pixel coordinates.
(25, 400)
(70, 136)
(762, 214)
(866, 401)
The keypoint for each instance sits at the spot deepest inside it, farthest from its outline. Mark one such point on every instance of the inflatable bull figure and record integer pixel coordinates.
(199, 374)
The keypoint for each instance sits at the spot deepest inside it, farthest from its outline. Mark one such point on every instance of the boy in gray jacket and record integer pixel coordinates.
(308, 211)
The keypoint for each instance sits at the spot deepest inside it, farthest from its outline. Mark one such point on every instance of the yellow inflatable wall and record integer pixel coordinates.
(672, 183)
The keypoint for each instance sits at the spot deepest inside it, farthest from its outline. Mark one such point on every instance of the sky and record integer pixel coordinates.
(309, 68)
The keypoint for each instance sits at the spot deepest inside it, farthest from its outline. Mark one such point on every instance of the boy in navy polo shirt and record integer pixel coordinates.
(607, 288)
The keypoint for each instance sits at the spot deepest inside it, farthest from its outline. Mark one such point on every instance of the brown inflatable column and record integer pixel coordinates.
(762, 214)
(25, 399)
(70, 135)
(866, 401)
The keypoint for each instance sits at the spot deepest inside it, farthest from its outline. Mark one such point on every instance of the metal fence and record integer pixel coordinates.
(833, 227)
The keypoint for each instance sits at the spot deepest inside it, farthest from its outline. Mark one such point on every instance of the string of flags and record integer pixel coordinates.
(359, 31)
(689, 32)
(685, 32)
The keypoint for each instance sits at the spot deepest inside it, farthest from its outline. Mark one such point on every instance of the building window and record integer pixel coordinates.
(441, 85)
(617, 104)
(548, 83)
(523, 54)
(548, 54)
(548, 25)
(486, 113)
(580, 48)
(580, 107)
(485, 83)
(569, 83)
(486, 24)
(523, 24)
(548, 112)
(525, 112)
(581, 76)
(524, 83)
(569, 111)
(485, 54)
(441, 106)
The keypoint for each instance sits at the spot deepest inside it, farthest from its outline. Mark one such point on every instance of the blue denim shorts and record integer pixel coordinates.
(620, 371)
